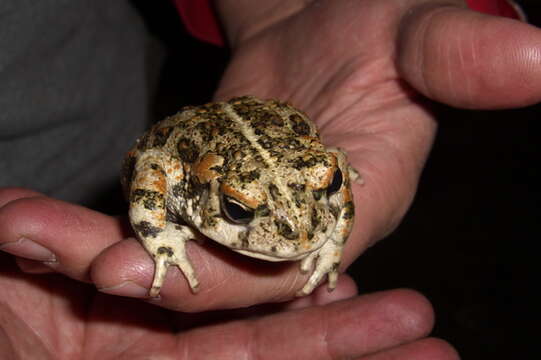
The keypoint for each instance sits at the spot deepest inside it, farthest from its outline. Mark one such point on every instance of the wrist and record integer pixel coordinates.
(242, 19)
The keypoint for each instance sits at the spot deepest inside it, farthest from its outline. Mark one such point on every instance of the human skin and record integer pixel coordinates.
(363, 70)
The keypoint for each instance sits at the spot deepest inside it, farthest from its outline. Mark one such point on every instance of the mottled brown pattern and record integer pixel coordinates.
(250, 174)
(161, 136)
(187, 150)
(298, 125)
(145, 229)
(150, 199)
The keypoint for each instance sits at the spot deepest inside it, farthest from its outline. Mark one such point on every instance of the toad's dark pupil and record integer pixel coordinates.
(235, 212)
(336, 183)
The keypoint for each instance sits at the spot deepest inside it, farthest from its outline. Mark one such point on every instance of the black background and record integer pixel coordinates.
(469, 241)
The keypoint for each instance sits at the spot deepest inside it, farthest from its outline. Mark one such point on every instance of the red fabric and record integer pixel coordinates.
(201, 21)
(495, 7)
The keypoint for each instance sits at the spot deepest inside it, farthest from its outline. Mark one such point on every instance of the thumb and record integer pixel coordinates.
(470, 60)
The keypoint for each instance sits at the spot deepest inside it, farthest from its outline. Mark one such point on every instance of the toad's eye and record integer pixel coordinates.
(235, 212)
(336, 183)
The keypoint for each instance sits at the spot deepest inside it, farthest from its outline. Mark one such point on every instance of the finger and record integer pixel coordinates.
(62, 236)
(345, 329)
(471, 60)
(14, 193)
(345, 289)
(426, 349)
(227, 279)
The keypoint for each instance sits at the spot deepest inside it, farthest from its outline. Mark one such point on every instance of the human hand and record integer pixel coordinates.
(49, 316)
(363, 71)
(395, 129)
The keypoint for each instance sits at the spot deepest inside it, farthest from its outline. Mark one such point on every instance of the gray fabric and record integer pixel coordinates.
(73, 94)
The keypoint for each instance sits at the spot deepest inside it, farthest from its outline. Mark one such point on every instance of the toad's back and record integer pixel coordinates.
(250, 174)
(240, 130)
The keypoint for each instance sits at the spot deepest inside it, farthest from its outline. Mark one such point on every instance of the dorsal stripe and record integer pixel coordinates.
(248, 132)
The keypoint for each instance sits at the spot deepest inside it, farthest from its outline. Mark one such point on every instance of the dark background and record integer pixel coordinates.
(468, 242)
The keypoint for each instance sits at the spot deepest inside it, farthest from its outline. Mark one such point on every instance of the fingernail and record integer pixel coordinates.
(28, 249)
(127, 288)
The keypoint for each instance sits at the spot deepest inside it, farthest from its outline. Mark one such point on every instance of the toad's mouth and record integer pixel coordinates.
(281, 249)
(270, 257)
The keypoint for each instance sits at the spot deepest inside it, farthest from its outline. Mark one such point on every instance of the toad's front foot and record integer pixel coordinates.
(327, 261)
(170, 249)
